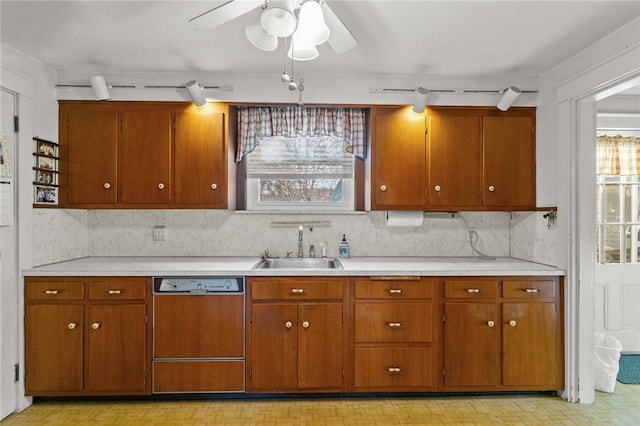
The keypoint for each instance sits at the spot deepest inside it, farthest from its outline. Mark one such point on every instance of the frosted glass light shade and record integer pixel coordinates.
(100, 88)
(278, 19)
(195, 91)
(261, 39)
(311, 26)
(301, 49)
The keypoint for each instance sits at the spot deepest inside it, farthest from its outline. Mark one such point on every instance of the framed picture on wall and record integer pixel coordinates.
(45, 163)
(45, 195)
(47, 149)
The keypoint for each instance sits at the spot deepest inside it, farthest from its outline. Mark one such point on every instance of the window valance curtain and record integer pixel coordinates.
(618, 155)
(255, 123)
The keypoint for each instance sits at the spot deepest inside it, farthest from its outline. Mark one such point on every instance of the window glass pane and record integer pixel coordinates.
(301, 190)
(611, 211)
(612, 244)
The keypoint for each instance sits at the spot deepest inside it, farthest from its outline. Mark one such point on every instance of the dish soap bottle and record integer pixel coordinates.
(343, 248)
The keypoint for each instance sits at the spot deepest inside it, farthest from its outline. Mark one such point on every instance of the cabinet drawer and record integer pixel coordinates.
(117, 290)
(198, 376)
(470, 289)
(393, 367)
(297, 290)
(54, 290)
(393, 322)
(530, 289)
(393, 289)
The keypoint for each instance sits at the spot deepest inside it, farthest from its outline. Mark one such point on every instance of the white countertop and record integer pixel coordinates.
(355, 266)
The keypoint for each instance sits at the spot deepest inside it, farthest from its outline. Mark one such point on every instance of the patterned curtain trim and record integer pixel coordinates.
(618, 155)
(255, 123)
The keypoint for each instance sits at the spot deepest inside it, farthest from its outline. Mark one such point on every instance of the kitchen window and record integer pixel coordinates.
(298, 158)
(618, 200)
(303, 173)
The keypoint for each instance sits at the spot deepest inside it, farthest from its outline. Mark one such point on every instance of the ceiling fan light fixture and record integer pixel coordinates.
(311, 24)
(301, 49)
(261, 39)
(509, 96)
(100, 88)
(278, 18)
(195, 91)
(421, 100)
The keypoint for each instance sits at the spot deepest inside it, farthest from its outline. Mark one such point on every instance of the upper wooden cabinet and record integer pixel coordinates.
(143, 155)
(453, 158)
(398, 163)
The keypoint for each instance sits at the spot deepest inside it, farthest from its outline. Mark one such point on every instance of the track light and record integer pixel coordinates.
(509, 96)
(195, 91)
(421, 100)
(100, 88)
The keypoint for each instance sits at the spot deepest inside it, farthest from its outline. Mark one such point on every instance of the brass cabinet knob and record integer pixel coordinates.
(305, 324)
(492, 188)
(106, 185)
(161, 185)
(437, 188)
(214, 186)
(383, 188)
(71, 325)
(95, 325)
(288, 324)
(491, 323)
(512, 323)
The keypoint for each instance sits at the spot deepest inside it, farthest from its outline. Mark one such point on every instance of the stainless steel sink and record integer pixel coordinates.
(299, 263)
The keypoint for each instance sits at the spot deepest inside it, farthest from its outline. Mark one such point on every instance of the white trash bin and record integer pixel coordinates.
(606, 362)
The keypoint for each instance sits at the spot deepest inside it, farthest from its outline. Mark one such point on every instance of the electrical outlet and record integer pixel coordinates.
(158, 233)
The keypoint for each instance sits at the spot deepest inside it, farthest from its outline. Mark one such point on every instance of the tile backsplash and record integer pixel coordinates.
(66, 234)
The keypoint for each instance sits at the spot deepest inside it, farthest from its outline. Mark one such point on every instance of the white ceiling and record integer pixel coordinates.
(457, 38)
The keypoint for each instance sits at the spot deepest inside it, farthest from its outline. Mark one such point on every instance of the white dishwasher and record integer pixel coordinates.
(198, 334)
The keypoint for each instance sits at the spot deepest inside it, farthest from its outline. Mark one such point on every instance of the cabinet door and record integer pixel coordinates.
(509, 162)
(454, 160)
(320, 346)
(274, 336)
(399, 161)
(529, 344)
(471, 346)
(200, 157)
(116, 352)
(92, 157)
(145, 153)
(53, 349)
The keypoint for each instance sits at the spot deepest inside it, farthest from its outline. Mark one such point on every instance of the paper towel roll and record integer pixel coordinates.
(404, 218)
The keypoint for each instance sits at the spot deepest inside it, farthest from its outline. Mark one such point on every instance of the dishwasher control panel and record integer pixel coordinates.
(198, 285)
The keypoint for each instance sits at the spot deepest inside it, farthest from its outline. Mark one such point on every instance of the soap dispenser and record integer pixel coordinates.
(343, 248)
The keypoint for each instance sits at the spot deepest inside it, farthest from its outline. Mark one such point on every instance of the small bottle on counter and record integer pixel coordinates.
(343, 248)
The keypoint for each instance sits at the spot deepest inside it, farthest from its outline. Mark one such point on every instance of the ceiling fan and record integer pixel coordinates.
(315, 24)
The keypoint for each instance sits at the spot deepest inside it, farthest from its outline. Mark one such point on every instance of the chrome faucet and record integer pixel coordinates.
(312, 251)
(300, 250)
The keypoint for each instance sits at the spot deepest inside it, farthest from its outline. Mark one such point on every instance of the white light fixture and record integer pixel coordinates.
(100, 88)
(301, 49)
(311, 24)
(278, 18)
(195, 91)
(509, 96)
(421, 100)
(261, 39)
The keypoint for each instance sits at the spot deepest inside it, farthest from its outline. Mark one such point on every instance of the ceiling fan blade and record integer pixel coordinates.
(227, 11)
(341, 40)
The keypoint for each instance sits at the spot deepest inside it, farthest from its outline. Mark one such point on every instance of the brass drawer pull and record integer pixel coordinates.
(115, 292)
(394, 370)
(395, 291)
(297, 291)
(394, 324)
(531, 290)
(473, 290)
(52, 291)
(95, 325)
(71, 325)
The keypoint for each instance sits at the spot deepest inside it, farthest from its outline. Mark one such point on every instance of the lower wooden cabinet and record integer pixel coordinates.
(295, 337)
(503, 334)
(87, 336)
